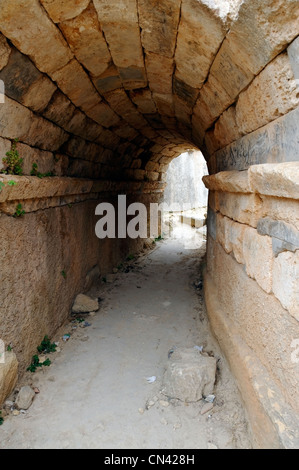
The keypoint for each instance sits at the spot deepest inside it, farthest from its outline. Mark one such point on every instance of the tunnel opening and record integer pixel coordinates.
(90, 111)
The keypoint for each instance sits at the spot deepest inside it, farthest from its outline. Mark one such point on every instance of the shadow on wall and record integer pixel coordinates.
(184, 181)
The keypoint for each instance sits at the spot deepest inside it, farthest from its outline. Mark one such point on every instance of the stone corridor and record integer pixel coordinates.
(97, 98)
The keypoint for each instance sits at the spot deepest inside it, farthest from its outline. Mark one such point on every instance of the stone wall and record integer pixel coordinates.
(251, 290)
(47, 253)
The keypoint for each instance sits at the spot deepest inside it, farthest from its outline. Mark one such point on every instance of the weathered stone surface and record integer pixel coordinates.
(24, 82)
(35, 35)
(228, 181)
(286, 269)
(200, 34)
(274, 143)
(61, 10)
(164, 104)
(108, 81)
(212, 223)
(226, 128)
(159, 72)
(279, 230)
(189, 375)
(133, 77)
(123, 106)
(103, 115)
(4, 52)
(75, 83)
(258, 258)
(15, 119)
(293, 53)
(45, 135)
(60, 109)
(8, 375)
(84, 304)
(281, 179)
(159, 23)
(86, 40)
(243, 208)
(230, 235)
(143, 100)
(24, 398)
(120, 25)
(272, 94)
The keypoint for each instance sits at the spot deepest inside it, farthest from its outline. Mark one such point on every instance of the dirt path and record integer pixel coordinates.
(95, 393)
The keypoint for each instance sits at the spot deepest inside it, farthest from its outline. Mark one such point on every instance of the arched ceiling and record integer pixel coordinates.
(135, 82)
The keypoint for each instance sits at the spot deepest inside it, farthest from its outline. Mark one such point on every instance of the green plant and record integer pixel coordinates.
(13, 163)
(1, 419)
(1, 186)
(63, 273)
(19, 211)
(35, 363)
(104, 279)
(11, 183)
(35, 172)
(159, 238)
(46, 346)
(9, 348)
(130, 257)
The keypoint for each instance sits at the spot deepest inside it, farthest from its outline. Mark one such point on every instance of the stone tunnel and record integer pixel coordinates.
(101, 95)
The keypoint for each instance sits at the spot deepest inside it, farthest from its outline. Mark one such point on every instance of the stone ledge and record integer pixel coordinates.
(269, 179)
(49, 192)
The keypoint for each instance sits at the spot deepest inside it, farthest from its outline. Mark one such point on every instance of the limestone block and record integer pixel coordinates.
(200, 34)
(189, 375)
(159, 23)
(44, 135)
(75, 83)
(77, 124)
(86, 40)
(263, 30)
(133, 77)
(230, 235)
(280, 180)
(243, 208)
(159, 72)
(280, 230)
(4, 51)
(258, 257)
(103, 115)
(272, 93)
(283, 209)
(228, 181)
(293, 53)
(35, 35)
(61, 10)
(59, 110)
(123, 106)
(276, 142)
(143, 100)
(109, 80)
(226, 128)
(120, 25)
(164, 104)
(8, 375)
(15, 119)
(285, 281)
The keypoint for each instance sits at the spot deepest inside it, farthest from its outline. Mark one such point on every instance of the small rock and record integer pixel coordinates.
(163, 421)
(164, 403)
(177, 426)
(58, 350)
(212, 446)
(151, 403)
(141, 411)
(8, 404)
(24, 398)
(15, 412)
(206, 408)
(36, 390)
(84, 304)
(84, 338)
(42, 358)
(210, 398)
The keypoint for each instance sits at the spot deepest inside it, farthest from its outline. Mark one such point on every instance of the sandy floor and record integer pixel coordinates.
(95, 393)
